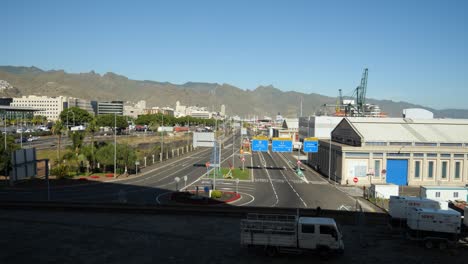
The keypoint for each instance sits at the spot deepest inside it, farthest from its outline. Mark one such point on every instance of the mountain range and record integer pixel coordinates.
(262, 101)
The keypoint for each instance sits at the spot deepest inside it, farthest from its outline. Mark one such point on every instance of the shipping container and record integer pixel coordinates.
(384, 190)
(434, 220)
(444, 193)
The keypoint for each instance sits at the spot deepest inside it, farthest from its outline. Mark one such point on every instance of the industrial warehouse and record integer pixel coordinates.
(402, 151)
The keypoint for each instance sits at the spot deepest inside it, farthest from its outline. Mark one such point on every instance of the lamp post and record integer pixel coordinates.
(162, 137)
(329, 150)
(68, 111)
(115, 145)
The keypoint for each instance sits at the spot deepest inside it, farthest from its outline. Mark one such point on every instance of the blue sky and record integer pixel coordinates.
(416, 51)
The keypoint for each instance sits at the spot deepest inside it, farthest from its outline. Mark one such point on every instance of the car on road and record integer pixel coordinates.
(19, 140)
(31, 139)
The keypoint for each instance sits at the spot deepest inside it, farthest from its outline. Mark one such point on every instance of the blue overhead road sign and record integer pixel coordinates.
(282, 145)
(310, 145)
(260, 145)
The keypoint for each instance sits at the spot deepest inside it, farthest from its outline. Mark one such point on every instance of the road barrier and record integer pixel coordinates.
(341, 217)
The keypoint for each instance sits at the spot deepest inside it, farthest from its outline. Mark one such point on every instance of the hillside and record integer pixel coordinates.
(264, 100)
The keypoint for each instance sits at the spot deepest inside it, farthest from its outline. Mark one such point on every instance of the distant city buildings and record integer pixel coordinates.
(82, 104)
(198, 112)
(113, 107)
(50, 107)
(134, 110)
(159, 110)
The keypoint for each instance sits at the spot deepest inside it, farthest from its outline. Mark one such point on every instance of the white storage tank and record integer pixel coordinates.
(384, 190)
(434, 220)
(399, 205)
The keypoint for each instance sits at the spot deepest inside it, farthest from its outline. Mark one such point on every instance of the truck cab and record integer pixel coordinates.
(319, 233)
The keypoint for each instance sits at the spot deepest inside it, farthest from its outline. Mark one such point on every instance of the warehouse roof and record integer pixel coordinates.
(411, 130)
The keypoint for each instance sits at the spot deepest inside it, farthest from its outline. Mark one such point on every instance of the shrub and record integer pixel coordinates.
(60, 171)
(216, 194)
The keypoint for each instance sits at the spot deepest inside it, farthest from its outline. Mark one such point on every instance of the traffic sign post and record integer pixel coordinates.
(177, 180)
(355, 180)
(136, 166)
(281, 145)
(185, 181)
(243, 162)
(310, 145)
(237, 185)
(260, 144)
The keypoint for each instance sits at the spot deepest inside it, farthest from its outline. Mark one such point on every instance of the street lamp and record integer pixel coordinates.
(329, 150)
(68, 111)
(162, 137)
(115, 145)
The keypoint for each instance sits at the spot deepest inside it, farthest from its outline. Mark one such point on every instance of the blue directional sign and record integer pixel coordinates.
(260, 145)
(282, 145)
(310, 146)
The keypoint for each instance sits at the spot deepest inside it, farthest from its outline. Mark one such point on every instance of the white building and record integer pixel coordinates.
(401, 151)
(223, 110)
(417, 113)
(134, 110)
(200, 114)
(51, 107)
(317, 126)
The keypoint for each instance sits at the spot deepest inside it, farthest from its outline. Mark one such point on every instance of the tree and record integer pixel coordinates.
(105, 155)
(126, 155)
(80, 116)
(39, 120)
(91, 129)
(58, 130)
(108, 121)
(5, 155)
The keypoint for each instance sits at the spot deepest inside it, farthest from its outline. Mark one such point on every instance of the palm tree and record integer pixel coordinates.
(58, 129)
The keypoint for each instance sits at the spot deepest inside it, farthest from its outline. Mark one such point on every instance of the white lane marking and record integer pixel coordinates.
(290, 185)
(157, 197)
(289, 165)
(253, 199)
(269, 177)
(251, 170)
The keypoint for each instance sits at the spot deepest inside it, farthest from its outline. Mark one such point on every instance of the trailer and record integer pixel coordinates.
(399, 205)
(444, 193)
(289, 233)
(434, 226)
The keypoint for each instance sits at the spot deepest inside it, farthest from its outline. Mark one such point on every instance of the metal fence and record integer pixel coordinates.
(376, 198)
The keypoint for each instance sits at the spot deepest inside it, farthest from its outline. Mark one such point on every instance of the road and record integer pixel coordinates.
(273, 183)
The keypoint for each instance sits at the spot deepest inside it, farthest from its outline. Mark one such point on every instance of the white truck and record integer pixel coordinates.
(434, 226)
(289, 233)
(399, 206)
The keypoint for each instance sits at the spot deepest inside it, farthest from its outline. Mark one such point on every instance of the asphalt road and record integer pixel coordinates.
(273, 183)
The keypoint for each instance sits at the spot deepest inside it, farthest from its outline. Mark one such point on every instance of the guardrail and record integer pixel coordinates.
(341, 217)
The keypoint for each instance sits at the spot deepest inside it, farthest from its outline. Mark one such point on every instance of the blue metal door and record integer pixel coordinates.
(397, 171)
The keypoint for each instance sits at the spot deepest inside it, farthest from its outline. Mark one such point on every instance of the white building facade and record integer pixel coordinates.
(402, 151)
(50, 107)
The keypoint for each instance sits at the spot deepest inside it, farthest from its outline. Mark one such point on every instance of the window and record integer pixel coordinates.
(451, 144)
(377, 154)
(444, 169)
(328, 230)
(375, 143)
(418, 154)
(357, 154)
(376, 168)
(432, 155)
(445, 155)
(457, 169)
(459, 155)
(437, 194)
(425, 144)
(398, 154)
(308, 228)
(400, 143)
(455, 195)
(430, 169)
(417, 169)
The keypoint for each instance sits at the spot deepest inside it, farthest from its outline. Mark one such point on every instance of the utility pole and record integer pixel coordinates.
(162, 137)
(115, 145)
